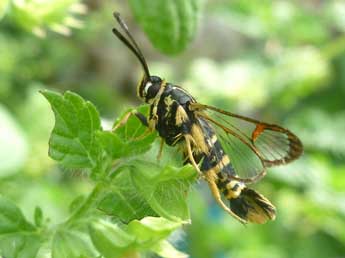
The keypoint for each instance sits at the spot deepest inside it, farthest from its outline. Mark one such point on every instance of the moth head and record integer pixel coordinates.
(148, 89)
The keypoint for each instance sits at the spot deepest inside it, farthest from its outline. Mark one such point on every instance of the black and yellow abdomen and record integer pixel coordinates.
(216, 164)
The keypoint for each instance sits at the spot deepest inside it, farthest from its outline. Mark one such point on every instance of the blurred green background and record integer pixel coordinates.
(279, 61)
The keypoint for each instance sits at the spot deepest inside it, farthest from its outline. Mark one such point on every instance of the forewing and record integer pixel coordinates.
(251, 145)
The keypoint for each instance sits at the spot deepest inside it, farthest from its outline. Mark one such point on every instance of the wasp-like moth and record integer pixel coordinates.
(229, 151)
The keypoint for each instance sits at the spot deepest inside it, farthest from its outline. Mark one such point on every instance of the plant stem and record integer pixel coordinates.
(88, 203)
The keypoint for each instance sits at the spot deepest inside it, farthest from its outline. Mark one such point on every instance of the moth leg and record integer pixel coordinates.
(149, 123)
(142, 118)
(142, 136)
(160, 149)
(190, 154)
(122, 122)
(217, 197)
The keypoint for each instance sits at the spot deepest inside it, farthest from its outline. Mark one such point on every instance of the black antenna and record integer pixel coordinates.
(131, 44)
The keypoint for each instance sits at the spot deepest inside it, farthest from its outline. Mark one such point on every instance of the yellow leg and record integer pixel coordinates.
(140, 137)
(190, 155)
(122, 122)
(217, 197)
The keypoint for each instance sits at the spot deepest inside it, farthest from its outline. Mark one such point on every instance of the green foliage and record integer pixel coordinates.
(128, 140)
(129, 186)
(152, 190)
(115, 202)
(74, 244)
(158, 184)
(73, 138)
(18, 238)
(278, 61)
(112, 241)
(170, 25)
(275, 19)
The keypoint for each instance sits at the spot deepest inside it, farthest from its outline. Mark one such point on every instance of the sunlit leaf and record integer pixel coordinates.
(124, 201)
(72, 141)
(147, 189)
(72, 244)
(166, 250)
(110, 240)
(113, 241)
(150, 230)
(120, 147)
(164, 188)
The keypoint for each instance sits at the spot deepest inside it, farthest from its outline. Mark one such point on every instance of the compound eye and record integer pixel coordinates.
(147, 86)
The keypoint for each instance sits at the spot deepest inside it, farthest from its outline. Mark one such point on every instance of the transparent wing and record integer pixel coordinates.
(251, 145)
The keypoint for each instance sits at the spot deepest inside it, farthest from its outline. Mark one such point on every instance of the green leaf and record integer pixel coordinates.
(129, 139)
(150, 230)
(72, 141)
(17, 236)
(121, 147)
(124, 201)
(110, 240)
(170, 25)
(164, 188)
(19, 245)
(72, 244)
(144, 188)
(166, 250)
(11, 218)
(113, 241)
